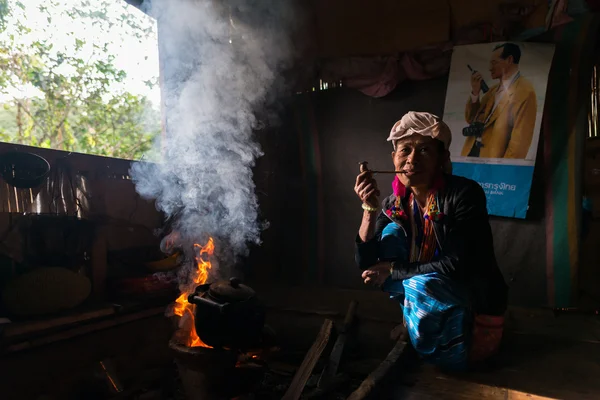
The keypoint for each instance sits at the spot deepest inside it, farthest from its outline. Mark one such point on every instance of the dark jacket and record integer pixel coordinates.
(465, 241)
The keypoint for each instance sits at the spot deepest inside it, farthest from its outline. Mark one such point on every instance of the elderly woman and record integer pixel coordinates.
(429, 245)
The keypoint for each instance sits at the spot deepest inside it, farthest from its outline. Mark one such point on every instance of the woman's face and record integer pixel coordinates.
(420, 158)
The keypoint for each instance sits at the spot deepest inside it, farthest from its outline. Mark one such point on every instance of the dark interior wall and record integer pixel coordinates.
(352, 127)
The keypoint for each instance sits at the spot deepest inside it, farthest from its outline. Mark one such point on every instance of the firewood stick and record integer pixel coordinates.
(331, 369)
(309, 362)
(375, 377)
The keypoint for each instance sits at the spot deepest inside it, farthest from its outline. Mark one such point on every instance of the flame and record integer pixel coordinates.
(183, 308)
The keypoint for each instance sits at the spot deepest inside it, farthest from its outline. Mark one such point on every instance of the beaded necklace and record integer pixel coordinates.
(428, 243)
(396, 211)
(420, 250)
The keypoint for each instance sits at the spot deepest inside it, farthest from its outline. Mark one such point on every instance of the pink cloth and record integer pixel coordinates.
(379, 76)
(398, 188)
(375, 77)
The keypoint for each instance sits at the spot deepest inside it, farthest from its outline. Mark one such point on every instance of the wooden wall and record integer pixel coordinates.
(383, 27)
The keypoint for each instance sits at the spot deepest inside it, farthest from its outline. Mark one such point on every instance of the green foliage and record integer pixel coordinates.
(80, 105)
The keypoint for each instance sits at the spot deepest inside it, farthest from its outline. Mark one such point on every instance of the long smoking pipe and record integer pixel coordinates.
(364, 168)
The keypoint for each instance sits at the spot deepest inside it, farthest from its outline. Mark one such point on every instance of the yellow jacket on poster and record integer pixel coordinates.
(509, 130)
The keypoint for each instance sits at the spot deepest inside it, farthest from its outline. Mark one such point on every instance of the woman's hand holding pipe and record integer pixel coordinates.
(366, 189)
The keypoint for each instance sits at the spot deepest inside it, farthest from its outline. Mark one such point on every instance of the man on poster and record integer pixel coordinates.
(501, 123)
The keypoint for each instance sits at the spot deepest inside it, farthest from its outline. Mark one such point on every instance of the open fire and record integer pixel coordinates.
(183, 308)
(230, 320)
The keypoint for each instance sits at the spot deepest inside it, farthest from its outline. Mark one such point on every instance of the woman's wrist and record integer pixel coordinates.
(369, 208)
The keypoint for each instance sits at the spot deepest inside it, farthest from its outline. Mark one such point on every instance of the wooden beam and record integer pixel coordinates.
(309, 362)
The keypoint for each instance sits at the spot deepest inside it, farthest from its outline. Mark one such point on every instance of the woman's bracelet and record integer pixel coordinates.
(368, 208)
(396, 266)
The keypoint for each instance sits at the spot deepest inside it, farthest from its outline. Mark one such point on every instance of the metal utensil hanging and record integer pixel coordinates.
(66, 192)
(30, 186)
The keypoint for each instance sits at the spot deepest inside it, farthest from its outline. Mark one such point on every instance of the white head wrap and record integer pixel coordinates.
(424, 124)
(421, 123)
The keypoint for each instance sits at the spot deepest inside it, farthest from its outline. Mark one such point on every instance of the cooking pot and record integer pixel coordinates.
(228, 315)
(23, 170)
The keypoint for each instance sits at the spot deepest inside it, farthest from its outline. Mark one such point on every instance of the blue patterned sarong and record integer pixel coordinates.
(436, 316)
(435, 309)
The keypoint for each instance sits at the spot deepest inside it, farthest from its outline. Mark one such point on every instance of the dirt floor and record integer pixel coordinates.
(544, 356)
(529, 367)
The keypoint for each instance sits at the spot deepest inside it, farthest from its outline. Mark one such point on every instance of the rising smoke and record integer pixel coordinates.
(222, 62)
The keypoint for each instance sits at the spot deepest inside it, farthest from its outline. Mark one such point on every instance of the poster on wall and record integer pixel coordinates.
(494, 106)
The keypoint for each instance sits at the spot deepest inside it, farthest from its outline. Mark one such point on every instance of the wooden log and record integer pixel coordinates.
(375, 377)
(331, 369)
(309, 362)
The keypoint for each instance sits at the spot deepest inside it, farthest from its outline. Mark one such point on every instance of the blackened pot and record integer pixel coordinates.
(228, 315)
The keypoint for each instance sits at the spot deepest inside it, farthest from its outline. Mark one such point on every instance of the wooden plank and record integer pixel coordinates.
(527, 368)
(83, 330)
(432, 386)
(24, 328)
(309, 362)
(375, 377)
(331, 369)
